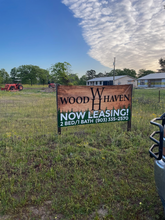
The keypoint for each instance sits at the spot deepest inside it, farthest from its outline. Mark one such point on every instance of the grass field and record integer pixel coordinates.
(88, 172)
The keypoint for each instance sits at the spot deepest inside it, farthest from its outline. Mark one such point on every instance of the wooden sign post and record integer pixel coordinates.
(80, 105)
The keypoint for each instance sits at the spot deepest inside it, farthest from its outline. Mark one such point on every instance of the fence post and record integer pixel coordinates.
(129, 122)
(58, 128)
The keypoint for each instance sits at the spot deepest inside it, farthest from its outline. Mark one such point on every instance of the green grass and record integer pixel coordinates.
(86, 169)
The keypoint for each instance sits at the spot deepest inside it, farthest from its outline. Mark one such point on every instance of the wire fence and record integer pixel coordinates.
(155, 95)
(32, 113)
(24, 114)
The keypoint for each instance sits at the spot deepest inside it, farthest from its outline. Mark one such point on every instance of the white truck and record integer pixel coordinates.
(159, 164)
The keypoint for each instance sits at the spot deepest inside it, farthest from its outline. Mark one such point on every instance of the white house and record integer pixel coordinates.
(119, 80)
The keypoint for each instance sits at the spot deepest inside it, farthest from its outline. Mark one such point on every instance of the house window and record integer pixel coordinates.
(96, 82)
(100, 83)
(142, 82)
(88, 83)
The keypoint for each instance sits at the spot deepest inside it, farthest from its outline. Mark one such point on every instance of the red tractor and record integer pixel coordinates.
(13, 87)
(51, 85)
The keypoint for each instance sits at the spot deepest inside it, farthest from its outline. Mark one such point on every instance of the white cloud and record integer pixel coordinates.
(133, 31)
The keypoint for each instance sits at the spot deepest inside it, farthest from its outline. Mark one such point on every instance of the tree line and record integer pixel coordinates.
(30, 74)
(61, 73)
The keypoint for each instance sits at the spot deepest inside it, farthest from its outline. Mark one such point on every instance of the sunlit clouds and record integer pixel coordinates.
(133, 31)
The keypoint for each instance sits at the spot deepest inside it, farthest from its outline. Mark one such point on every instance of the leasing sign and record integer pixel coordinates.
(80, 105)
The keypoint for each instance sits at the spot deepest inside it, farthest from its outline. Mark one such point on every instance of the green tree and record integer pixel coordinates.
(73, 78)
(43, 76)
(4, 76)
(90, 74)
(28, 73)
(1, 80)
(162, 65)
(100, 75)
(118, 72)
(125, 71)
(13, 74)
(143, 72)
(129, 72)
(83, 80)
(59, 73)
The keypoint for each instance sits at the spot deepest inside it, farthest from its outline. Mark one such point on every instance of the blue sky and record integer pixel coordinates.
(86, 33)
(42, 33)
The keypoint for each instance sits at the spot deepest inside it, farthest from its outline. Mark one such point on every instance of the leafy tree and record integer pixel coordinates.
(118, 72)
(28, 73)
(13, 74)
(100, 75)
(90, 74)
(129, 72)
(4, 76)
(59, 73)
(43, 76)
(1, 80)
(125, 71)
(83, 80)
(73, 78)
(162, 65)
(143, 72)
(107, 74)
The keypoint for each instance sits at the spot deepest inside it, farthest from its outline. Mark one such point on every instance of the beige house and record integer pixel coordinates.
(152, 80)
(119, 80)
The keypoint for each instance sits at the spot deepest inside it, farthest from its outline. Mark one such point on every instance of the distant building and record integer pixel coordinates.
(119, 80)
(152, 80)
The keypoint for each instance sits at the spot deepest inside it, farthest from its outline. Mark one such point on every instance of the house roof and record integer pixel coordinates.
(109, 78)
(154, 76)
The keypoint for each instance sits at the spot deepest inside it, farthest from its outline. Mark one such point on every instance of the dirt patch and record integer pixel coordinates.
(102, 212)
(48, 90)
(32, 88)
(5, 217)
(34, 212)
(44, 213)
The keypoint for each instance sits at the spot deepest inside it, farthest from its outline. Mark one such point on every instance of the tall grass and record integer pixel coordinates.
(28, 114)
(88, 172)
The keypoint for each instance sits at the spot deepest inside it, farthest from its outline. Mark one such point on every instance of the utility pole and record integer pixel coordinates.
(114, 71)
